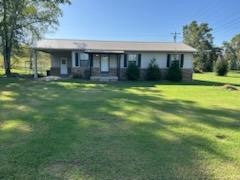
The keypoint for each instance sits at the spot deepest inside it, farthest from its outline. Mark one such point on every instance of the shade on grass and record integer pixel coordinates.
(125, 130)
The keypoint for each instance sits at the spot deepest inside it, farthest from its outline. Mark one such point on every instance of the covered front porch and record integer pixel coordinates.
(100, 66)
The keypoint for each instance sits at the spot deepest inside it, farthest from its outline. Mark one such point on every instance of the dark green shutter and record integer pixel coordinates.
(125, 60)
(139, 60)
(182, 60)
(76, 60)
(168, 60)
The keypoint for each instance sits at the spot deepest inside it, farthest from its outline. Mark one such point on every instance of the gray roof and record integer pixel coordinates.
(111, 46)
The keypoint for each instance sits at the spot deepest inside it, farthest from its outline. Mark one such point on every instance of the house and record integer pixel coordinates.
(109, 59)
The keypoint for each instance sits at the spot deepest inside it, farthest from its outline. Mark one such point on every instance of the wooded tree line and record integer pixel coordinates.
(199, 36)
(23, 22)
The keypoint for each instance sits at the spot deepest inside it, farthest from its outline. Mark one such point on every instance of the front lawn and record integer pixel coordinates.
(126, 130)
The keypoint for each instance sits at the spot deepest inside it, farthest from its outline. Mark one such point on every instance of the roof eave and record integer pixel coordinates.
(107, 50)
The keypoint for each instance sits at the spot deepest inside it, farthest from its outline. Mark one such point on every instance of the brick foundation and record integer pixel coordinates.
(186, 73)
(85, 72)
(97, 72)
(54, 71)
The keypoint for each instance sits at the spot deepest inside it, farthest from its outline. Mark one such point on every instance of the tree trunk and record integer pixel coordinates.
(6, 47)
(7, 59)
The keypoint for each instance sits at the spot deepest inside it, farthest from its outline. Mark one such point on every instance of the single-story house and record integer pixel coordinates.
(110, 59)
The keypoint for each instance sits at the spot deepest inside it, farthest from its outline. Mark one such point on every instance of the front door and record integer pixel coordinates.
(64, 68)
(104, 63)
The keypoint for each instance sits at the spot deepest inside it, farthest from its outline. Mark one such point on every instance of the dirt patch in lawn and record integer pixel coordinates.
(65, 169)
(230, 87)
(221, 136)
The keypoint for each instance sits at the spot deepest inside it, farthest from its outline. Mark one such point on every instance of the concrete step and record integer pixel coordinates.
(104, 78)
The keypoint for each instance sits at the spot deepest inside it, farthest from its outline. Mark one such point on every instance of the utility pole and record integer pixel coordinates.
(175, 34)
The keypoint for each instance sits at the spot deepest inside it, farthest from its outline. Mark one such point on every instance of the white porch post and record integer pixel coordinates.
(35, 68)
(73, 58)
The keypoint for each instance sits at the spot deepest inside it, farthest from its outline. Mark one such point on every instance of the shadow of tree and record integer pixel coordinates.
(106, 131)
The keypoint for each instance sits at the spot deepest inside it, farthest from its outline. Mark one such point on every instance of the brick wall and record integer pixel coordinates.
(187, 74)
(84, 72)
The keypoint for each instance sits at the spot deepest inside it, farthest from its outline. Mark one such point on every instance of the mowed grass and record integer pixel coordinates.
(126, 130)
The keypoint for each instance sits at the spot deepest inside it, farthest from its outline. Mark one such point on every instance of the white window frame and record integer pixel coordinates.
(83, 57)
(80, 57)
(176, 58)
(132, 60)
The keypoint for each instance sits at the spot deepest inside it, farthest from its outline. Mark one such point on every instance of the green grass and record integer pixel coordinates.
(126, 130)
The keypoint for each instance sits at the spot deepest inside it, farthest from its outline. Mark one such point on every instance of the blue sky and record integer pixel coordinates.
(146, 20)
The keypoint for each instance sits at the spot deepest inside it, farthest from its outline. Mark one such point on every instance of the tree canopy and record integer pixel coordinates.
(232, 52)
(23, 20)
(200, 37)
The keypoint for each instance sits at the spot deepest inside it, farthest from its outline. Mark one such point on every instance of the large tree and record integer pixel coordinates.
(22, 20)
(200, 37)
(232, 52)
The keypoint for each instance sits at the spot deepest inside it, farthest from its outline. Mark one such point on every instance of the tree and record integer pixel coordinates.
(200, 37)
(221, 66)
(232, 52)
(133, 72)
(153, 71)
(22, 20)
(174, 72)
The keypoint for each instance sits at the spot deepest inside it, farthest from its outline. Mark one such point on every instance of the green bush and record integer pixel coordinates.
(77, 75)
(221, 66)
(133, 72)
(174, 72)
(153, 71)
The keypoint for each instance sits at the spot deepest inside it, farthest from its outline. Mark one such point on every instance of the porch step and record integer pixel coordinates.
(104, 78)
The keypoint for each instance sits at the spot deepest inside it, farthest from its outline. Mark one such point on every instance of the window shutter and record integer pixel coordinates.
(76, 60)
(182, 60)
(125, 60)
(168, 60)
(139, 60)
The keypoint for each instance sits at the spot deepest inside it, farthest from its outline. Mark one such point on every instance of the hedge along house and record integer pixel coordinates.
(108, 60)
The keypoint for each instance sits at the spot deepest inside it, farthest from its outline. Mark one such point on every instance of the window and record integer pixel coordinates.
(132, 58)
(84, 60)
(175, 57)
(84, 57)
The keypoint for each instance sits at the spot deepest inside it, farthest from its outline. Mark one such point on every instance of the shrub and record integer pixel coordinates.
(153, 71)
(133, 72)
(77, 75)
(221, 66)
(174, 72)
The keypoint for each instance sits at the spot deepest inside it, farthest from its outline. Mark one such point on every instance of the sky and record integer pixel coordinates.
(146, 20)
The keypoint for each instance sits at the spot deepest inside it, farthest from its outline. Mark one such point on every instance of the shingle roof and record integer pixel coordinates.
(90, 45)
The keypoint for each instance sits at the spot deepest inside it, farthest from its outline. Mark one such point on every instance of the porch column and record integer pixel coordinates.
(35, 68)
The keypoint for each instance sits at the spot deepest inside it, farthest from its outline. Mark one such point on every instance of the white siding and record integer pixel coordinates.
(113, 61)
(188, 61)
(161, 59)
(96, 61)
(54, 61)
(56, 56)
